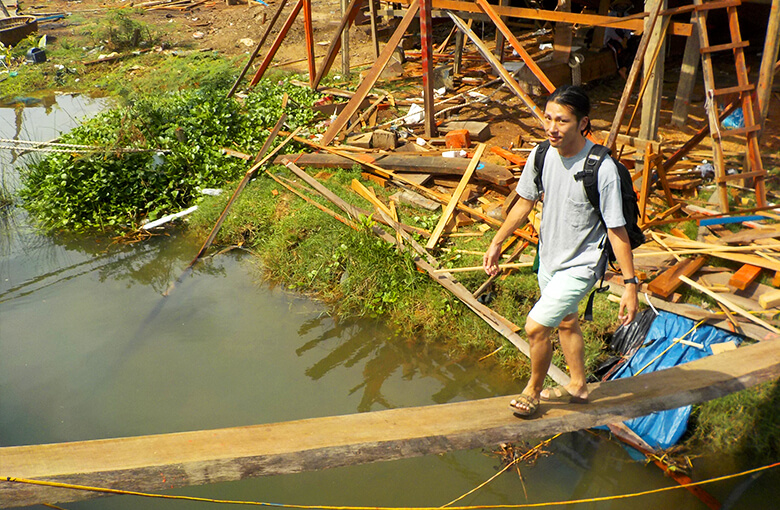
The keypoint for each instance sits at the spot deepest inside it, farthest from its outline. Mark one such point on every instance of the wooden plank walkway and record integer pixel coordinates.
(160, 462)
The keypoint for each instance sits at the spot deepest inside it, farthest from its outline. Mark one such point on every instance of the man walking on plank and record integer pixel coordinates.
(572, 237)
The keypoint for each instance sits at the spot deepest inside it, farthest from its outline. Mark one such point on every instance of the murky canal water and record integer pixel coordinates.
(89, 349)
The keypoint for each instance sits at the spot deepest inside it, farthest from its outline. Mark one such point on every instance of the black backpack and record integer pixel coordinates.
(589, 177)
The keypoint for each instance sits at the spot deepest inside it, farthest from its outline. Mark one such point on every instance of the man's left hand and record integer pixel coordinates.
(628, 306)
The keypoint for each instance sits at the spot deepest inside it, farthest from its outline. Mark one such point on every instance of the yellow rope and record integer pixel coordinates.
(325, 507)
(515, 461)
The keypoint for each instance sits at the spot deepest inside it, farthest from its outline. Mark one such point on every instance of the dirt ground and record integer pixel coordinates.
(233, 30)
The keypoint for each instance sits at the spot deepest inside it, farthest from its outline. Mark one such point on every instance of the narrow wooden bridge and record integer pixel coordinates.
(159, 462)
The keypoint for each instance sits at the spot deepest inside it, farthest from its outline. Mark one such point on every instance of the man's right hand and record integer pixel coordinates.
(490, 259)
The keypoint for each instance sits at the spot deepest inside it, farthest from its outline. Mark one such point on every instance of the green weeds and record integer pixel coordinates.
(182, 134)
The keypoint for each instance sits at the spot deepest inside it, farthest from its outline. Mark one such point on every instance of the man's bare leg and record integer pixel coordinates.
(573, 348)
(541, 357)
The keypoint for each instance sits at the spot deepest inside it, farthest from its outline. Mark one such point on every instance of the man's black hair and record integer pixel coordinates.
(575, 99)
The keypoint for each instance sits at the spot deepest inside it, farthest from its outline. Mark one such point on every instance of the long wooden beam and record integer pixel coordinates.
(162, 462)
(635, 25)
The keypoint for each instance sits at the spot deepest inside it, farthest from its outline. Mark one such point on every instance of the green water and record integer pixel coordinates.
(90, 349)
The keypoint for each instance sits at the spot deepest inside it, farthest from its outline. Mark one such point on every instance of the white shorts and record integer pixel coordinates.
(561, 296)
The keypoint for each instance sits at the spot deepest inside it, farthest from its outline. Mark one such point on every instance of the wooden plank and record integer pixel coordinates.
(406, 163)
(165, 461)
(436, 234)
(653, 82)
(373, 75)
(635, 24)
(749, 236)
(724, 47)
(730, 305)
(744, 276)
(669, 281)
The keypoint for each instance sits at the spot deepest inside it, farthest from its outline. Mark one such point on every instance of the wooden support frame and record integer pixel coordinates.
(688, 72)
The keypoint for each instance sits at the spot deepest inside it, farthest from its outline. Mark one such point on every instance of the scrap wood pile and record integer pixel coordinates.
(475, 186)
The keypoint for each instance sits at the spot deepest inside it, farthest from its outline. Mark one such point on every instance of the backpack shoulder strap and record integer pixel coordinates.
(541, 152)
(590, 174)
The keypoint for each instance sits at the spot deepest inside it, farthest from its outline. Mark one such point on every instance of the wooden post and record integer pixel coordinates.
(374, 39)
(426, 41)
(344, 41)
(598, 32)
(309, 41)
(562, 35)
(632, 76)
(654, 73)
(688, 71)
(766, 75)
(5, 11)
(457, 62)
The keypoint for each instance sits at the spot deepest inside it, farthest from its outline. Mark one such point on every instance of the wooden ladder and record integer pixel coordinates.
(744, 89)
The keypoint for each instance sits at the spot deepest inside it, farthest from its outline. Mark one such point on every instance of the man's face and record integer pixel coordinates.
(562, 128)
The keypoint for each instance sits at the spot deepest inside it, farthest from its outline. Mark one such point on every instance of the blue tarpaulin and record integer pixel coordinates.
(664, 429)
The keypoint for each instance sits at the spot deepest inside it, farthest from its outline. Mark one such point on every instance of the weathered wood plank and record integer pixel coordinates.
(489, 172)
(159, 462)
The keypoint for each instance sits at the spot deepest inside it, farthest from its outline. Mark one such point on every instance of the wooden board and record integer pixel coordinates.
(669, 281)
(413, 163)
(162, 462)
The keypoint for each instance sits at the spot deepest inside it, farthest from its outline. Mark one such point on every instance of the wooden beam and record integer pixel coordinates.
(373, 75)
(165, 461)
(632, 75)
(667, 282)
(529, 61)
(766, 74)
(744, 276)
(426, 50)
(499, 68)
(635, 24)
(445, 216)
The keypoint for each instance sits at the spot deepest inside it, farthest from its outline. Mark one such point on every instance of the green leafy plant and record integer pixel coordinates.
(181, 136)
